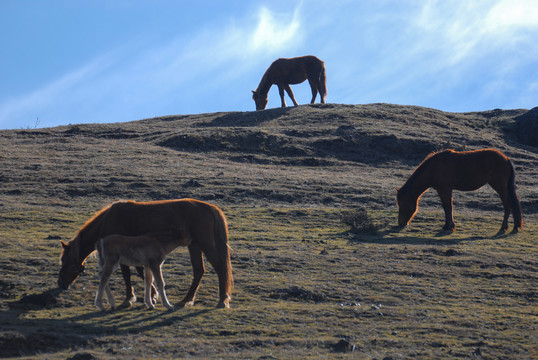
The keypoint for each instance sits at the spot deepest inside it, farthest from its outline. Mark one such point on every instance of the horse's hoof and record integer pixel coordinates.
(515, 230)
(445, 231)
(185, 304)
(223, 305)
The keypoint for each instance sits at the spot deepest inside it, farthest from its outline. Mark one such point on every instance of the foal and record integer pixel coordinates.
(147, 250)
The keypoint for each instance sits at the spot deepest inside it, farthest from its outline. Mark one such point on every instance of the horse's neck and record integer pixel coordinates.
(87, 240)
(265, 84)
(417, 184)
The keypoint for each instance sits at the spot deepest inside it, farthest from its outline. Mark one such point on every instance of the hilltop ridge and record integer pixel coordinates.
(331, 154)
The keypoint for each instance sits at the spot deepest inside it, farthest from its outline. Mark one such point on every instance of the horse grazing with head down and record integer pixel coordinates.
(466, 171)
(203, 224)
(284, 72)
(144, 250)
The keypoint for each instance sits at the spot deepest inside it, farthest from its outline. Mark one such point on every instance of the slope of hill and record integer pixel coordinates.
(305, 286)
(332, 154)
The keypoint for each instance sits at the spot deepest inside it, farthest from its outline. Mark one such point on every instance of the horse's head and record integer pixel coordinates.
(260, 100)
(72, 266)
(407, 207)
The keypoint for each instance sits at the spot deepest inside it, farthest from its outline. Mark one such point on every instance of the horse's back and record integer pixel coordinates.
(478, 159)
(136, 218)
(297, 69)
(468, 170)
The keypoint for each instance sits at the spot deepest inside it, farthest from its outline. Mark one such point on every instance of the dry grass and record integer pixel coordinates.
(303, 281)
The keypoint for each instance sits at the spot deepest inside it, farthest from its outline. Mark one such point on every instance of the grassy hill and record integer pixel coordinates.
(306, 287)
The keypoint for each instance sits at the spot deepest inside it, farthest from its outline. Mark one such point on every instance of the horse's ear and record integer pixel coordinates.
(64, 245)
(254, 92)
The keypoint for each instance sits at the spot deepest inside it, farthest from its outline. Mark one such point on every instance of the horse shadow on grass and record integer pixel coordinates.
(23, 334)
(254, 118)
(442, 238)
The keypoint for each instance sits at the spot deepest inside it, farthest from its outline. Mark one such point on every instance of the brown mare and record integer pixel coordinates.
(204, 224)
(144, 250)
(466, 171)
(284, 72)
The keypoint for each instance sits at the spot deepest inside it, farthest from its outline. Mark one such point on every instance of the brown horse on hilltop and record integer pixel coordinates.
(203, 224)
(284, 72)
(466, 171)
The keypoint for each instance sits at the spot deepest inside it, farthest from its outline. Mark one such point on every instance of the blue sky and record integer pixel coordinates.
(67, 62)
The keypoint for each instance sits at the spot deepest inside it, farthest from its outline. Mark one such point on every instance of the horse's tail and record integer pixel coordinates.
(223, 249)
(100, 253)
(322, 83)
(514, 201)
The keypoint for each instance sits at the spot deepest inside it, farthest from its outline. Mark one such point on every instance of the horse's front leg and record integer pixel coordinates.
(290, 94)
(446, 200)
(281, 93)
(104, 277)
(156, 269)
(130, 297)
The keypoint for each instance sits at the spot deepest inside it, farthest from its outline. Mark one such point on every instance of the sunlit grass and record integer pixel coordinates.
(395, 293)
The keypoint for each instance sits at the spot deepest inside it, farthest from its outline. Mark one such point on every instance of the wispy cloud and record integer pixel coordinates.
(24, 110)
(461, 29)
(137, 81)
(274, 33)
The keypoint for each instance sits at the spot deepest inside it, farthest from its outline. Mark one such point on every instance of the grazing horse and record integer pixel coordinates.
(284, 72)
(143, 250)
(466, 171)
(204, 224)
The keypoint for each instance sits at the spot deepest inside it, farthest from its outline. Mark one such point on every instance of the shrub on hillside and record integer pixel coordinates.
(359, 221)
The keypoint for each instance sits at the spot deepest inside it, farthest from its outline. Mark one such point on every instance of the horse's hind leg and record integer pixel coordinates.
(198, 270)
(154, 293)
(110, 297)
(130, 297)
(290, 94)
(148, 280)
(159, 281)
(506, 205)
(314, 87)
(224, 296)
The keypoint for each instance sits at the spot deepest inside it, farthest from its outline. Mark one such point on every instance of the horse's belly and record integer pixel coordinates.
(467, 187)
(132, 260)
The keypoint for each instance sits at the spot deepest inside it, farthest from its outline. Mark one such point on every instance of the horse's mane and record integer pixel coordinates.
(263, 82)
(92, 220)
(419, 171)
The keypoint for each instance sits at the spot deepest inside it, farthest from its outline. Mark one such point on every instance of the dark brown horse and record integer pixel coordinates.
(204, 224)
(284, 72)
(466, 171)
